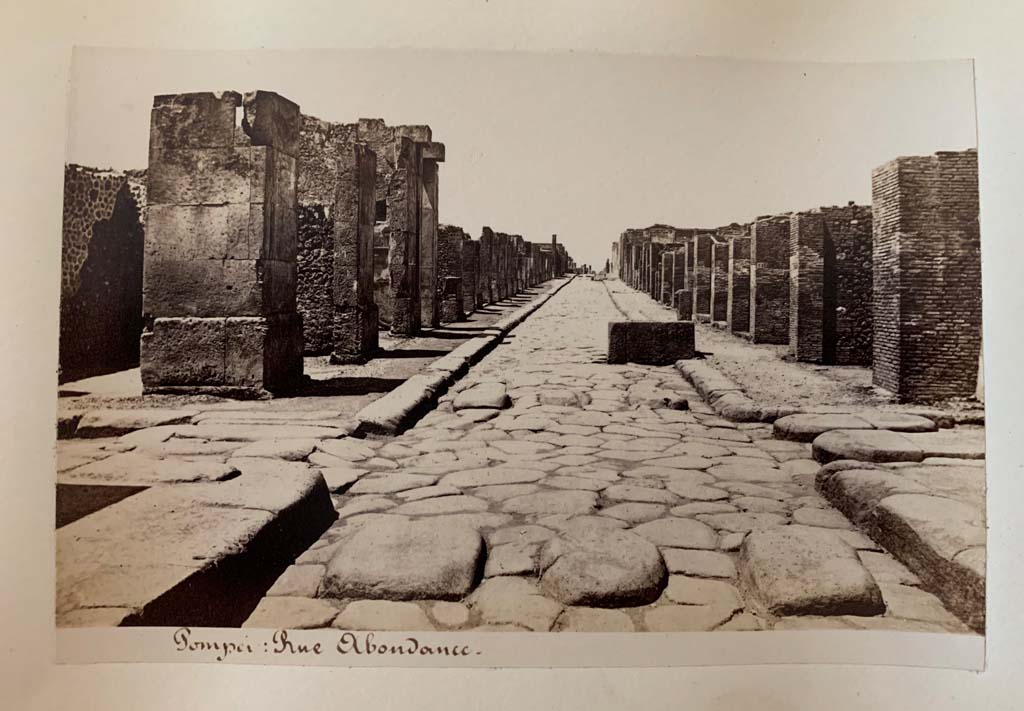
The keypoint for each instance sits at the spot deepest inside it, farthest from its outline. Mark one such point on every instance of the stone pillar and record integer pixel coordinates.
(665, 293)
(702, 277)
(403, 239)
(450, 241)
(927, 276)
(654, 286)
(487, 265)
(471, 297)
(769, 280)
(501, 265)
(220, 275)
(336, 195)
(677, 280)
(432, 154)
(684, 304)
(738, 300)
(719, 280)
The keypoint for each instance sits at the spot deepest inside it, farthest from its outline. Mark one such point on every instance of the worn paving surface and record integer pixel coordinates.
(550, 491)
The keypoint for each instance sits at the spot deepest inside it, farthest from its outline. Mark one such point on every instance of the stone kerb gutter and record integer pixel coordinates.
(726, 397)
(401, 407)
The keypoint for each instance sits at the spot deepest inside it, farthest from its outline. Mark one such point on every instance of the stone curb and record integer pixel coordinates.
(726, 397)
(400, 408)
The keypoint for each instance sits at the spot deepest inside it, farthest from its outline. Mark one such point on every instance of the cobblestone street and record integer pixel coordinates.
(550, 491)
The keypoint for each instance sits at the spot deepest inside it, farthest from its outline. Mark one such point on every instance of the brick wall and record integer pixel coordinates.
(738, 300)
(719, 279)
(101, 271)
(450, 241)
(927, 276)
(702, 276)
(769, 280)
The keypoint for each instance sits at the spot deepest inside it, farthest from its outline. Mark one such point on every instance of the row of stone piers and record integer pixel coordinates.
(271, 235)
(895, 285)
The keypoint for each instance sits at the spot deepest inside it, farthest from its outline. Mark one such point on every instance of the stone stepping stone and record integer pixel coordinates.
(484, 395)
(293, 613)
(383, 615)
(866, 446)
(552, 502)
(678, 533)
(593, 565)
(513, 600)
(391, 483)
(705, 564)
(591, 619)
(800, 570)
(512, 559)
(805, 427)
(394, 559)
(954, 443)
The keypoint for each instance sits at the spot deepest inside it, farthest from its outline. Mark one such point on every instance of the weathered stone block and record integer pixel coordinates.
(200, 120)
(650, 342)
(183, 351)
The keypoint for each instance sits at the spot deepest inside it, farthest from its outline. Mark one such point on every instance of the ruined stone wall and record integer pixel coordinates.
(702, 277)
(488, 282)
(769, 280)
(927, 276)
(719, 279)
(738, 300)
(101, 271)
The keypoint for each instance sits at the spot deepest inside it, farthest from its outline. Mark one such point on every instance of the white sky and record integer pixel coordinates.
(581, 145)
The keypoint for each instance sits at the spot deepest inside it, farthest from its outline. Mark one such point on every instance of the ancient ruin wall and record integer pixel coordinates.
(472, 298)
(738, 300)
(927, 276)
(450, 243)
(101, 271)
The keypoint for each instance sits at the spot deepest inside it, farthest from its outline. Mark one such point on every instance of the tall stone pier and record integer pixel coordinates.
(430, 298)
(450, 242)
(719, 286)
(702, 277)
(488, 282)
(738, 301)
(830, 270)
(927, 276)
(769, 280)
(336, 194)
(219, 278)
(472, 299)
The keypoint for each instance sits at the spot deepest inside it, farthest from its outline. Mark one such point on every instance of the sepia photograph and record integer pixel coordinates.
(444, 342)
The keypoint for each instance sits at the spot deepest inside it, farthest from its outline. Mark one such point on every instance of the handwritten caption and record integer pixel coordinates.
(277, 643)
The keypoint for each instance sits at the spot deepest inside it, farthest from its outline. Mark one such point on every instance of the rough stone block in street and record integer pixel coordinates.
(651, 343)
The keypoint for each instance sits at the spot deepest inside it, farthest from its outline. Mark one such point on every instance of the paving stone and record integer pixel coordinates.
(678, 533)
(741, 522)
(746, 489)
(796, 467)
(114, 422)
(702, 563)
(758, 504)
(522, 447)
(805, 427)
(501, 492)
(732, 541)
(865, 446)
(799, 570)
(404, 560)
(444, 505)
(743, 622)
(383, 615)
(899, 422)
(293, 450)
(524, 533)
(257, 432)
(680, 462)
(857, 540)
(175, 447)
(339, 478)
(133, 469)
(483, 395)
(702, 507)
(298, 581)
(749, 473)
(573, 482)
(95, 617)
(634, 512)
(914, 604)
(626, 455)
(512, 559)
(886, 570)
(822, 518)
(642, 494)
(513, 600)
(560, 522)
(450, 614)
(686, 618)
(476, 521)
(592, 565)
(390, 483)
(352, 450)
(293, 613)
(428, 492)
(552, 502)
(492, 476)
(812, 622)
(696, 492)
(591, 619)
(959, 443)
